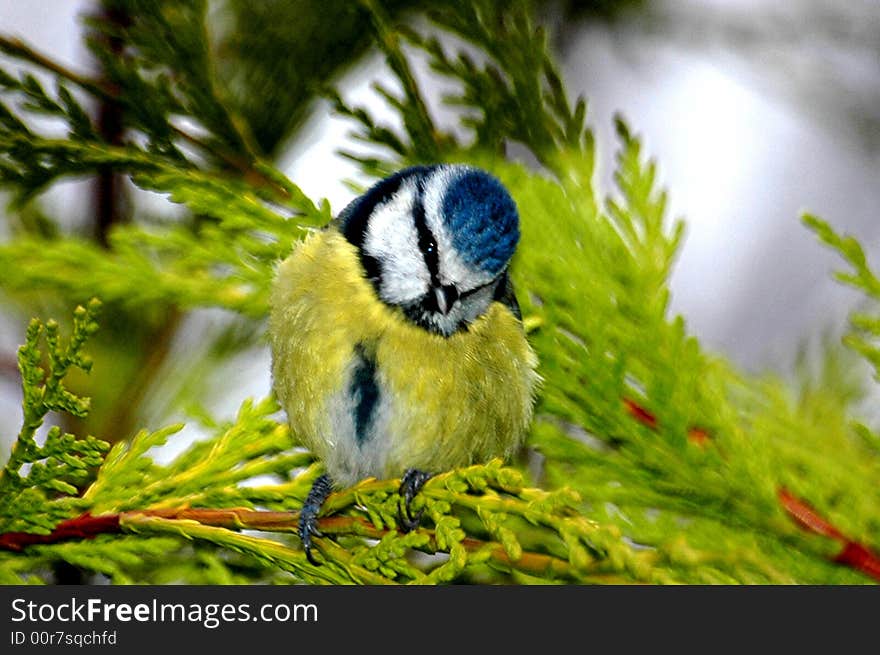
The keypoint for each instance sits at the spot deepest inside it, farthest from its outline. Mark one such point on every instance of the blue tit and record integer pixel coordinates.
(397, 341)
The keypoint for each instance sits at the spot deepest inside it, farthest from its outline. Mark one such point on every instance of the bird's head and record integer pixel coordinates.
(436, 242)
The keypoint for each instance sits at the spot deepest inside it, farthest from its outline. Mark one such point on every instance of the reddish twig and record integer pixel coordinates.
(640, 414)
(87, 526)
(81, 527)
(806, 517)
(853, 554)
(697, 436)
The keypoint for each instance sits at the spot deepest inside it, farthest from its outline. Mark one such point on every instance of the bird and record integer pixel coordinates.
(397, 342)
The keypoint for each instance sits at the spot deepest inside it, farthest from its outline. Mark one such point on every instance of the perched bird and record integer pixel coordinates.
(397, 342)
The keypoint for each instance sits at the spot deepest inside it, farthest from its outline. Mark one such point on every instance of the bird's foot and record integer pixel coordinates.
(308, 516)
(410, 485)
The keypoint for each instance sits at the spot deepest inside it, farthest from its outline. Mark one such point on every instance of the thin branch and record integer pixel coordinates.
(697, 436)
(111, 198)
(87, 526)
(420, 119)
(15, 47)
(853, 554)
(109, 92)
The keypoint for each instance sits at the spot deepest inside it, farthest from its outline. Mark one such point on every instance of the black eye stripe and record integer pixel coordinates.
(354, 219)
(427, 242)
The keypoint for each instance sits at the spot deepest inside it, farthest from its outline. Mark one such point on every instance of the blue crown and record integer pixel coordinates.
(483, 220)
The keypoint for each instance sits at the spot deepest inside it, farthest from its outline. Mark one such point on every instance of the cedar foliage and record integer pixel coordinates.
(660, 462)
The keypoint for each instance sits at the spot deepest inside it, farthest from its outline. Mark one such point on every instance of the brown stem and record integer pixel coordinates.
(87, 526)
(110, 198)
(18, 48)
(852, 553)
(534, 563)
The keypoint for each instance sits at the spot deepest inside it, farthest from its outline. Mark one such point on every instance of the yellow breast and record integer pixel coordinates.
(445, 401)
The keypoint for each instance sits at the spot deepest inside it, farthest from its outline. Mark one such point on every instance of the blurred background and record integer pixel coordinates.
(755, 111)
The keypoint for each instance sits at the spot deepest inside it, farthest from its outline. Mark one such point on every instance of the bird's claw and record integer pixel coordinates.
(410, 485)
(308, 528)
(308, 516)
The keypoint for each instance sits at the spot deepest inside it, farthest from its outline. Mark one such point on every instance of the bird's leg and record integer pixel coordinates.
(308, 516)
(410, 485)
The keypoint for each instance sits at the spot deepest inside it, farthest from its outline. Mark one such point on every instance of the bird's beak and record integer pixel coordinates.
(441, 300)
(446, 297)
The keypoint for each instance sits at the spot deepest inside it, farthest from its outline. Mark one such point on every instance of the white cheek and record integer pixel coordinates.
(402, 280)
(392, 239)
(453, 269)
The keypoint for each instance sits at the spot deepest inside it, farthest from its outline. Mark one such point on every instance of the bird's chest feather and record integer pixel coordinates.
(373, 394)
(428, 401)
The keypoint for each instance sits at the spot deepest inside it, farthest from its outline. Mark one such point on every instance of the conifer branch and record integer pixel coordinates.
(852, 553)
(87, 526)
(660, 463)
(246, 165)
(425, 137)
(15, 47)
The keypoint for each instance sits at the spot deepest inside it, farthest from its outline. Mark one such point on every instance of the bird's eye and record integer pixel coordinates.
(428, 246)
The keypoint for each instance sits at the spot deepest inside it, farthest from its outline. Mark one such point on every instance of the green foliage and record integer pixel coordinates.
(223, 261)
(217, 473)
(166, 68)
(249, 212)
(516, 93)
(35, 500)
(206, 474)
(864, 334)
(660, 463)
(316, 44)
(865, 327)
